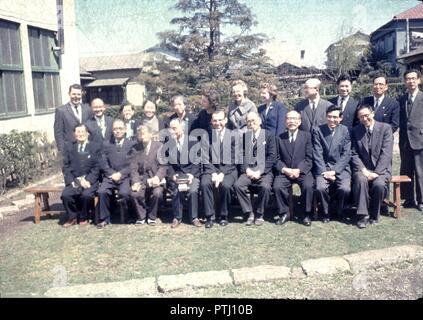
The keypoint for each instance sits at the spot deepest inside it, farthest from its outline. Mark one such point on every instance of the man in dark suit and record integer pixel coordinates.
(115, 170)
(256, 169)
(184, 168)
(331, 159)
(186, 119)
(99, 125)
(220, 172)
(313, 108)
(127, 112)
(411, 140)
(372, 146)
(386, 109)
(147, 174)
(272, 112)
(293, 165)
(81, 163)
(68, 116)
(347, 103)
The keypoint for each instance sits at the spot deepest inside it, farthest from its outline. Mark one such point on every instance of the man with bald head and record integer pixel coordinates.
(99, 125)
(312, 108)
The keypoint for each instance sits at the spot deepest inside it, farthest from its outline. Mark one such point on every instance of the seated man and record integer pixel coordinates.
(293, 165)
(127, 112)
(220, 172)
(184, 173)
(372, 147)
(99, 125)
(115, 170)
(147, 174)
(81, 163)
(332, 155)
(256, 169)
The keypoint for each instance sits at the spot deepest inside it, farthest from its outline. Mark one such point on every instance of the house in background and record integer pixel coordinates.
(39, 60)
(399, 36)
(114, 78)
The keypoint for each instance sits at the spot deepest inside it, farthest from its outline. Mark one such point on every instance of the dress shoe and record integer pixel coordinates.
(140, 222)
(307, 221)
(102, 225)
(250, 219)
(151, 222)
(420, 207)
(282, 219)
(84, 222)
(363, 222)
(196, 222)
(209, 224)
(175, 223)
(69, 223)
(409, 204)
(223, 222)
(373, 221)
(259, 221)
(384, 210)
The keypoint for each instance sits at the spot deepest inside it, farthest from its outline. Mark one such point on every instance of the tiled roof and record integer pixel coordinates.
(413, 13)
(114, 62)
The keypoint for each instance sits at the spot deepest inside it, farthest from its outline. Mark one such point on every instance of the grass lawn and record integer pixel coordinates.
(31, 255)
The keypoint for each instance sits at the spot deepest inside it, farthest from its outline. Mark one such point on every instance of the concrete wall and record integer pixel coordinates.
(41, 14)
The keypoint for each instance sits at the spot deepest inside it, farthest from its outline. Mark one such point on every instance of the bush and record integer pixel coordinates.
(25, 156)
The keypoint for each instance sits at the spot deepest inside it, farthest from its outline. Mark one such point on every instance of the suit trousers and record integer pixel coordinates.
(281, 187)
(78, 201)
(146, 202)
(412, 166)
(368, 195)
(334, 192)
(177, 198)
(224, 190)
(105, 193)
(264, 186)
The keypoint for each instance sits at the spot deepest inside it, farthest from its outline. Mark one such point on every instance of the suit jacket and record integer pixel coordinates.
(274, 121)
(189, 120)
(203, 122)
(379, 160)
(349, 116)
(387, 112)
(115, 159)
(134, 124)
(65, 122)
(144, 166)
(237, 115)
(411, 125)
(184, 161)
(307, 119)
(331, 153)
(222, 156)
(81, 164)
(298, 157)
(260, 156)
(95, 131)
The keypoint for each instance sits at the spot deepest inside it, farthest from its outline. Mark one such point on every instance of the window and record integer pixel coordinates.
(12, 93)
(45, 70)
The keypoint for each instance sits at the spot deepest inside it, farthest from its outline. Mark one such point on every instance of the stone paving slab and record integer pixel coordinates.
(323, 266)
(130, 288)
(9, 210)
(377, 258)
(260, 273)
(168, 283)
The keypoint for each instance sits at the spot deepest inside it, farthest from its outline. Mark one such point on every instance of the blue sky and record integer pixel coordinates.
(121, 26)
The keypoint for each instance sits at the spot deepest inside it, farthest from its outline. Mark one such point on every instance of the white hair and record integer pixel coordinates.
(313, 82)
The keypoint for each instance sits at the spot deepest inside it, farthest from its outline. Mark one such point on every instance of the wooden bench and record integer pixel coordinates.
(396, 182)
(41, 192)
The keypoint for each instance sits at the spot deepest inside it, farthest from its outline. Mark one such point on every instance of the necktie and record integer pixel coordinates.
(81, 148)
(341, 104)
(409, 103)
(332, 132)
(78, 115)
(291, 138)
(369, 137)
(376, 104)
(313, 108)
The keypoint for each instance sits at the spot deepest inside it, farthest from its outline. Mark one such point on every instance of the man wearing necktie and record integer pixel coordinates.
(114, 171)
(411, 140)
(69, 115)
(313, 107)
(347, 103)
(81, 165)
(331, 158)
(256, 170)
(372, 147)
(99, 125)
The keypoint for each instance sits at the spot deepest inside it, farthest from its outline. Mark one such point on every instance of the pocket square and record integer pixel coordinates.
(89, 156)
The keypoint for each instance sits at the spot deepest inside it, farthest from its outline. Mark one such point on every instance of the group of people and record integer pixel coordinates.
(337, 151)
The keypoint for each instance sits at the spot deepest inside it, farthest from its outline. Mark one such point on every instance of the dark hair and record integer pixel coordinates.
(126, 103)
(364, 106)
(380, 75)
(75, 86)
(343, 77)
(80, 125)
(213, 96)
(334, 107)
(271, 88)
(419, 74)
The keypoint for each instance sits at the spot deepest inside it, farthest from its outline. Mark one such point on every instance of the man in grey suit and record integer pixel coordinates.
(331, 156)
(372, 146)
(312, 108)
(68, 116)
(411, 140)
(347, 103)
